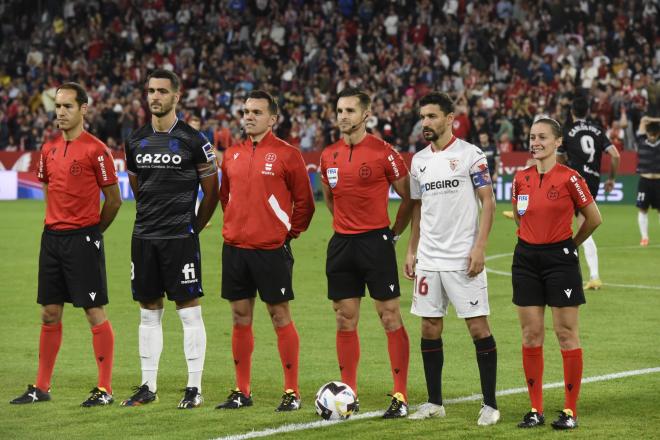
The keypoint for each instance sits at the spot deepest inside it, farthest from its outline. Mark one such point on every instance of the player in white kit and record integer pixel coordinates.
(449, 180)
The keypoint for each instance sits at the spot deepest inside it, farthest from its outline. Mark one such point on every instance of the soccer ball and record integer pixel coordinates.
(335, 401)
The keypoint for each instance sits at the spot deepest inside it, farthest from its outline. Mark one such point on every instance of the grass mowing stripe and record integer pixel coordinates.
(322, 423)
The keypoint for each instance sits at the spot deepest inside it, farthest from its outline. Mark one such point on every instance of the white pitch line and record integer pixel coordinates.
(292, 427)
(625, 286)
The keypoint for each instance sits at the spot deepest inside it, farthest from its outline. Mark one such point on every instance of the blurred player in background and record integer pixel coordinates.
(584, 142)
(648, 168)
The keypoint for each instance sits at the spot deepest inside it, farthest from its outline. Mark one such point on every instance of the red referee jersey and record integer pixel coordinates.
(547, 202)
(359, 178)
(265, 194)
(75, 171)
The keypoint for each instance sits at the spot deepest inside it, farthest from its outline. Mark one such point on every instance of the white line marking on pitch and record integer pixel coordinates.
(322, 423)
(625, 286)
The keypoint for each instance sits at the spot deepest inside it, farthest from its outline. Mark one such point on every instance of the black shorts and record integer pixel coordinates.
(547, 274)
(648, 193)
(593, 183)
(172, 266)
(358, 259)
(72, 268)
(246, 271)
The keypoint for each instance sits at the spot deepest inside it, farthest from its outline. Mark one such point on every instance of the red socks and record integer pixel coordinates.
(242, 346)
(398, 347)
(572, 377)
(50, 341)
(103, 340)
(533, 366)
(288, 344)
(348, 355)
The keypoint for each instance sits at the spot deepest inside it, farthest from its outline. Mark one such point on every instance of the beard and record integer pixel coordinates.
(430, 135)
(164, 109)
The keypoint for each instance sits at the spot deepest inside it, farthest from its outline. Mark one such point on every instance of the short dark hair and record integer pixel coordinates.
(166, 74)
(653, 128)
(580, 107)
(554, 125)
(442, 100)
(81, 94)
(273, 108)
(363, 97)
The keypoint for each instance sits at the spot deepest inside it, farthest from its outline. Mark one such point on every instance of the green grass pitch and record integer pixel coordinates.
(620, 331)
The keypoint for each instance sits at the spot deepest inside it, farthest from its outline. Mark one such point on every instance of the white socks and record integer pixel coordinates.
(150, 345)
(194, 344)
(643, 222)
(591, 254)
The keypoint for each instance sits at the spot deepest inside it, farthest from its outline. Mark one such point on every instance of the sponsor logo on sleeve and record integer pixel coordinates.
(578, 188)
(104, 173)
(523, 203)
(333, 176)
(393, 163)
(208, 152)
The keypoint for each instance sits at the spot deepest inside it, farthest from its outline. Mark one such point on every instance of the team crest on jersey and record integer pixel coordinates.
(523, 203)
(270, 157)
(453, 164)
(553, 193)
(75, 169)
(174, 145)
(365, 172)
(236, 155)
(333, 176)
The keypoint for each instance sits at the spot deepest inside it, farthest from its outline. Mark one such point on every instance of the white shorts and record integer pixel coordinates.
(433, 291)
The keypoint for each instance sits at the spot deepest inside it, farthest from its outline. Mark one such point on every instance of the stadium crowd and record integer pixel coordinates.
(503, 61)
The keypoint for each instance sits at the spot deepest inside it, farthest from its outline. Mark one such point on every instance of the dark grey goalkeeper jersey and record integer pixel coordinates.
(165, 164)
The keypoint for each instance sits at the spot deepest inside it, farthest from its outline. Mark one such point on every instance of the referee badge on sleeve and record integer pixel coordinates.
(523, 202)
(333, 176)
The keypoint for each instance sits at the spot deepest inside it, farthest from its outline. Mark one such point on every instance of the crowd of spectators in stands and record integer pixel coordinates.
(503, 61)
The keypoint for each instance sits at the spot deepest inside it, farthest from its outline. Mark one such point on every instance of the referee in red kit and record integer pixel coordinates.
(74, 168)
(356, 173)
(267, 201)
(546, 268)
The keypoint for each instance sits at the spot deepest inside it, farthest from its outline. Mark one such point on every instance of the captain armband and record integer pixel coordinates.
(481, 178)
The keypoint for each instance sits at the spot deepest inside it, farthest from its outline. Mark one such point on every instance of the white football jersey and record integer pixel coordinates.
(446, 181)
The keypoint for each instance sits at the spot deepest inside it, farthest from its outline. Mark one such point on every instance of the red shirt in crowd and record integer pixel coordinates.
(75, 172)
(461, 126)
(360, 178)
(265, 194)
(547, 202)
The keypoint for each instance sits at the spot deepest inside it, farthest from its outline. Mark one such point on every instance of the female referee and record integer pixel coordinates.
(546, 268)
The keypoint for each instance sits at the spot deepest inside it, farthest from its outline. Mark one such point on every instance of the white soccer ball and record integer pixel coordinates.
(335, 401)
